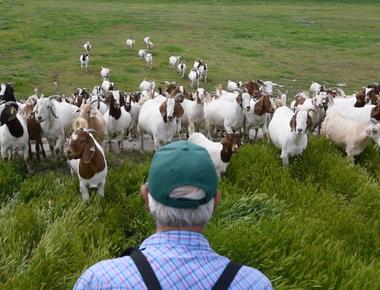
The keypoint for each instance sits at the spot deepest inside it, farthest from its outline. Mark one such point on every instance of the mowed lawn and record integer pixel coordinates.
(313, 225)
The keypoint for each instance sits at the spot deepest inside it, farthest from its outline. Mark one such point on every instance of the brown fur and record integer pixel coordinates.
(231, 142)
(375, 113)
(85, 149)
(263, 105)
(293, 123)
(253, 88)
(239, 100)
(178, 110)
(360, 99)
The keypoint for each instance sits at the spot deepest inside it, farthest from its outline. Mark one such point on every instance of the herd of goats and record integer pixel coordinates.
(81, 125)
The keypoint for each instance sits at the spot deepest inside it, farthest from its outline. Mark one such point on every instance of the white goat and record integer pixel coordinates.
(107, 86)
(147, 85)
(118, 120)
(288, 132)
(194, 78)
(173, 60)
(13, 131)
(142, 53)
(56, 121)
(105, 73)
(193, 114)
(87, 46)
(351, 135)
(267, 87)
(149, 60)
(157, 118)
(84, 59)
(233, 86)
(130, 42)
(181, 67)
(226, 115)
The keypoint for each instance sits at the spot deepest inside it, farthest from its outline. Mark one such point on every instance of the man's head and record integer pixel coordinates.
(182, 186)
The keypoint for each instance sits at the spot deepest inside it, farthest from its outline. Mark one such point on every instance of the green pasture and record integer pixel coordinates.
(314, 225)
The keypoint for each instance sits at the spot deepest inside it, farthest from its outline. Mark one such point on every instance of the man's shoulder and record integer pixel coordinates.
(250, 278)
(108, 272)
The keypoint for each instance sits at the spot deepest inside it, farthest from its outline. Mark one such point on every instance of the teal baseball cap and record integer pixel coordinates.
(179, 164)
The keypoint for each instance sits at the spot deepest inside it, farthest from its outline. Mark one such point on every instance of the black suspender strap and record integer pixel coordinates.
(151, 281)
(227, 276)
(146, 271)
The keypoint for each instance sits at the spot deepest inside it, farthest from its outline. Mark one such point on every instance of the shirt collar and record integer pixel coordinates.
(177, 238)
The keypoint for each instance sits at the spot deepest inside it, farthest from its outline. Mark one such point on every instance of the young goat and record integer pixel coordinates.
(130, 42)
(87, 160)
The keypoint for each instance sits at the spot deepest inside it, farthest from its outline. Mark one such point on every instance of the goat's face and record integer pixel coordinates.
(170, 109)
(116, 99)
(373, 131)
(96, 90)
(128, 103)
(7, 113)
(231, 142)
(81, 146)
(299, 122)
(44, 109)
(244, 101)
(317, 101)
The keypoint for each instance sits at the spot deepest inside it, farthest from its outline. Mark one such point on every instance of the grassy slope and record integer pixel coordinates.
(315, 224)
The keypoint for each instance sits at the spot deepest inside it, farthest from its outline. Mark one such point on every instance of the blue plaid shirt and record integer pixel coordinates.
(180, 260)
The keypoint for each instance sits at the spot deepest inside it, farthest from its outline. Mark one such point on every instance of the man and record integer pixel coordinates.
(181, 195)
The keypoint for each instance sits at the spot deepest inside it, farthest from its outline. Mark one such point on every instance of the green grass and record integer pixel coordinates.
(312, 225)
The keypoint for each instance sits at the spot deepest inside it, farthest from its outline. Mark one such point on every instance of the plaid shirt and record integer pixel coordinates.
(180, 260)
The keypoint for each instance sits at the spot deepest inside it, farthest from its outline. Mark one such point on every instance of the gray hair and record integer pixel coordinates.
(178, 217)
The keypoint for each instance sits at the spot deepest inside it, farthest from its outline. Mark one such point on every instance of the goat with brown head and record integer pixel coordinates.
(87, 160)
(263, 105)
(171, 108)
(231, 143)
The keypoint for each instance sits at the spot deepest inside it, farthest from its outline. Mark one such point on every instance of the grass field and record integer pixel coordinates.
(313, 225)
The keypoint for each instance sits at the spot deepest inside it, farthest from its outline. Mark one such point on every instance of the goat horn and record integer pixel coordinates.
(310, 110)
(92, 131)
(53, 113)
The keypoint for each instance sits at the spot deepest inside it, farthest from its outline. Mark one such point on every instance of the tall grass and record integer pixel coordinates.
(312, 225)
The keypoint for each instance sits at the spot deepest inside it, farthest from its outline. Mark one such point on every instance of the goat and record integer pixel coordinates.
(288, 132)
(105, 73)
(87, 47)
(351, 135)
(181, 67)
(226, 114)
(130, 42)
(362, 115)
(146, 40)
(87, 160)
(252, 88)
(316, 88)
(220, 152)
(267, 87)
(157, 118)
(149, 60)
(149, 45)
(147, 85)
(34, 128)
(84, 58)
(173, 60)
(56, 121)
(233, 86)
(94, 118)
(107, 86)
(117, 118)
(193, 114)
(133, 108)
(142, 53)
(257, 117)
(13, 132)
(7, 93)
(194, 77)
(80, 95)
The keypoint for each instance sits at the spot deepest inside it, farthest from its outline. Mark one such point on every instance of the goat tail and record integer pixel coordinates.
(80, 123)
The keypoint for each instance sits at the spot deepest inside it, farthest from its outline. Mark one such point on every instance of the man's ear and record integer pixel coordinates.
(144, 193)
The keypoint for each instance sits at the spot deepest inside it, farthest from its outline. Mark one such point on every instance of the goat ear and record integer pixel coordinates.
(293, 123)
(239, 99)
(164, 112)
(178, 109)
(89, 151)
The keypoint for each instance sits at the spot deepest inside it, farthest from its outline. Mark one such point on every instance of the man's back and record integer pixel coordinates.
(179, 259)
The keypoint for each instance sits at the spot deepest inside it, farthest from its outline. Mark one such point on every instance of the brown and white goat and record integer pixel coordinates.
(87, 160)
(220, 152)
(34, 130)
